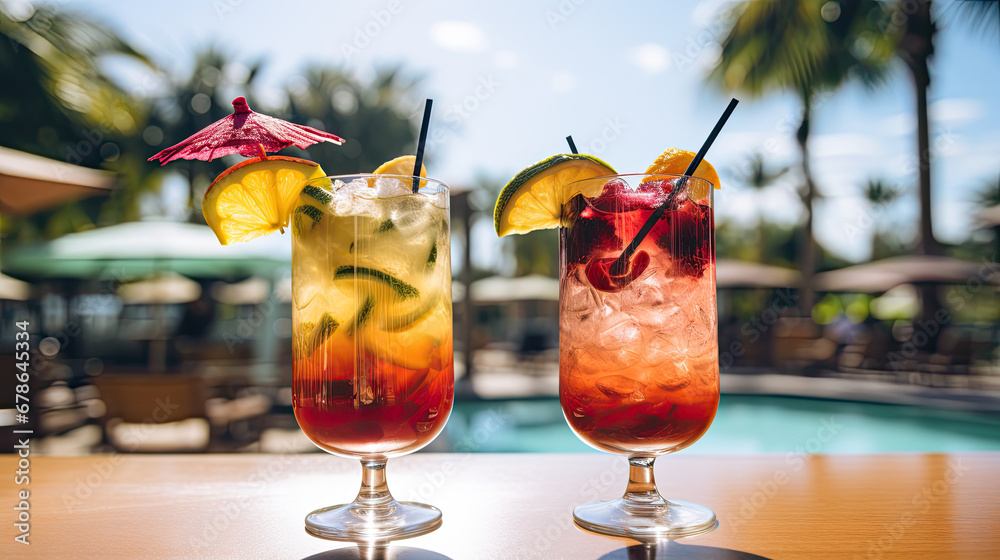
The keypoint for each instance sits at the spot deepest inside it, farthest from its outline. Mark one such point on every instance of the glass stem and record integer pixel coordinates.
(641, 490)
(374, 498)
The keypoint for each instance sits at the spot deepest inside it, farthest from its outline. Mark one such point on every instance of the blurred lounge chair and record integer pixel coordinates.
(162, 412)
(154, 412)
(799, 346)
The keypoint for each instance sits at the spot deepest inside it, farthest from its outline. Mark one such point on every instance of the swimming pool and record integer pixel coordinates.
(744, 424)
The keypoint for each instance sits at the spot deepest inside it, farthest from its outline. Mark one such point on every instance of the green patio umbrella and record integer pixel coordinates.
(133, 250)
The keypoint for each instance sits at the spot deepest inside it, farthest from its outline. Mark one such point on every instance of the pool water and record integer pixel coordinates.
(744, 424)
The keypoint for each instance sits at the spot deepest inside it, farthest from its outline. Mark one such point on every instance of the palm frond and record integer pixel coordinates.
(983, 16)
(989, 194)
(877, 192)
(786, 45)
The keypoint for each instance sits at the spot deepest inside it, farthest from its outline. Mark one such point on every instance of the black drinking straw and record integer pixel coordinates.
(620, 266)
(572, 144)
(420, 145)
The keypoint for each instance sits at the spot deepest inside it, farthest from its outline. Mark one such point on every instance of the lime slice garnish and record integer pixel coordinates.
(534, 198)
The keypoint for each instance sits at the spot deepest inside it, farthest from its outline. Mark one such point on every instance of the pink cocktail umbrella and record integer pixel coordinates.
(246, 133)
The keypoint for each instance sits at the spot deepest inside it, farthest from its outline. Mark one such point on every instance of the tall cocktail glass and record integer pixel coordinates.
(372, 323)
(638, 352)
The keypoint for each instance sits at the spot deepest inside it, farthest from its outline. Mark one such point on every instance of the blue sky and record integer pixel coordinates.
(511, 79)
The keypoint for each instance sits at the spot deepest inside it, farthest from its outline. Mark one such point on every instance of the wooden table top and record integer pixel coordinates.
(509, 506)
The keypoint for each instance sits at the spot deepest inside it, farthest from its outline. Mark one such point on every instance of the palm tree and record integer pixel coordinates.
(989, 195)
(759, 178)
(879, 194)
(982, 14)
(914, 38)
(57, 101)
(915, 46)
(371, 116)
(55, 91)
(805, 47)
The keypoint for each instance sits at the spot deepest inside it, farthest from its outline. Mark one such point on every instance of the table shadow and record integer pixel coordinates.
(672, 550)
(378, 552)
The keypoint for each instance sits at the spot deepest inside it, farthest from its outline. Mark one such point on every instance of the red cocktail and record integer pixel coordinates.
(639, 367)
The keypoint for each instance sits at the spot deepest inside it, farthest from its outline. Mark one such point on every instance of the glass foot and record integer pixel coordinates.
(659, 519)
(389, 522)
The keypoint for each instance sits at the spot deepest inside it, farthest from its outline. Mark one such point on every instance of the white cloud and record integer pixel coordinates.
(836, 145)
(708, 12)
(563, 81)
(507, 59)
(945, 111)
(956, 110)
(744, 206)
(898, 125)
(734, 148)
(845, 226)
(650, 58)
(459, 36)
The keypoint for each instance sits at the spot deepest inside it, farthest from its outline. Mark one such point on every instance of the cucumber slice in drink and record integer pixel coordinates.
(311, 194)
(313, 202)
(363, 315)
(397, 286)
(313, 336)
(418, 347)
(433, 257)
(404, 315)
(305, 218)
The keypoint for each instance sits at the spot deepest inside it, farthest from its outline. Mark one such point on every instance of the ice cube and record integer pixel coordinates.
(700, 331)
(660, 348)
(389, 187)
(351, 198)
(306, 279)
(410, 213)
(593, 362)
(643, 294)
(674, 376)
(356, 186)
(674, 382)
(704, 367)
(625, 333)
(438, 199)
(647, 303)
(577, 297)
(621, 387)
